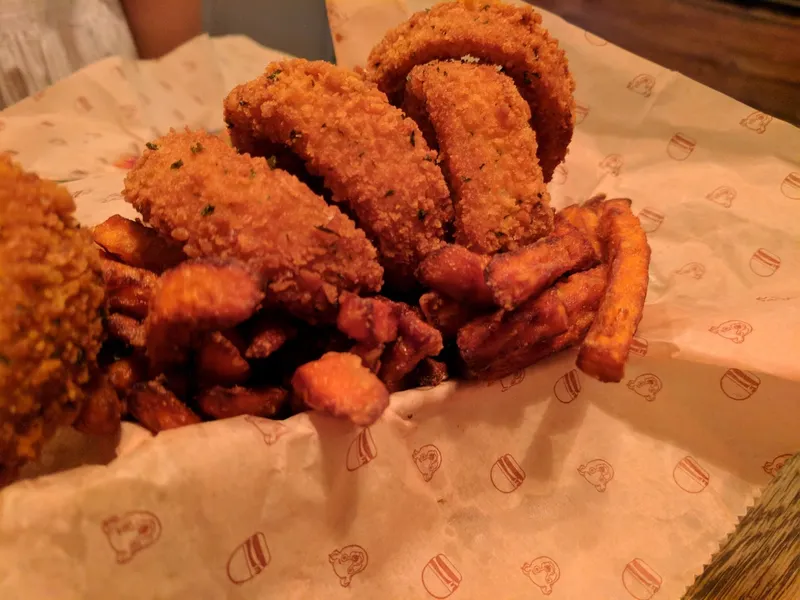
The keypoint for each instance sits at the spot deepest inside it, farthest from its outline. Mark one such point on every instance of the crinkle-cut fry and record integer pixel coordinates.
(429, 373)
(102, 409)
(516, 276)
(137, 245)
(117, 275)
(370, 321)
(224, 403)
(127, 329)
(605, 348)
(268, 332)
(587, 221)
(339, 384)
(157, 409)
(125, 372)
(416, 340)
(194, 298)
(457, 273)
(497, 34)
(445, 314)
(219, 360)
(130, 300)
(577, 297)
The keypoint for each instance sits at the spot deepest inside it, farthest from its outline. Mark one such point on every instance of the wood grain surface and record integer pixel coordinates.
(760, 560)
(747, 50)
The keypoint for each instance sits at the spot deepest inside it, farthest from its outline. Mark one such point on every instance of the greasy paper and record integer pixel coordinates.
(543, 483)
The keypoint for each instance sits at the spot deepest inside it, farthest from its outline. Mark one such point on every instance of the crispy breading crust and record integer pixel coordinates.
(508, 36)
(605, 348)
(370, 155)
(198, 190)
(487, 152)
(50, 316)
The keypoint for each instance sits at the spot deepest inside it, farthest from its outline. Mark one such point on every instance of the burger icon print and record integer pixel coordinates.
(756, 121)
(771, 467)
(272, 431)
(790, 187)
(543, 572)
(612, 164)
(568, 386)
(724, 195)
(597, 472)
(506, 474)
(738, 384)
(642, 84)
(594, 40)
(131, 533)
(428, 460)
(348, 562)
(517, 377)
(680, 146)
(646, 385)
(361, 451)
(695, 270)
(690, 476)
(764, 263)
(650, 219)
(639, 346)
(560, 174)
(440, 578)
(641, 581)
(249, 559)
(734, 331)
(581, 112)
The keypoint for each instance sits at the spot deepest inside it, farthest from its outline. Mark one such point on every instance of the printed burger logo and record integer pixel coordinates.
(348, 562)
(639, 346)
(680, 146)
(249, 559)
(506, 474)
(650, 219)
(508, 382)
(764, 263)
(597, 472)
(568, 386)
(734, 331)
(790, 187)
(428, 459)
(690, 476)
(543, 572)
(771, 467)
(642, 84)
(695, 270)
(612, 164)
(560, 174)
(737, 384)
(594, 40)
(756, 121)
(581, 112)
(361, 451)
(131, 532)
(724, 195)
(271, 431)
(440, 578)
(641, 581)
(646, 385)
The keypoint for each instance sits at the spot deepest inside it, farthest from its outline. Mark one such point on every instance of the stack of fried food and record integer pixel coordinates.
(369, 232)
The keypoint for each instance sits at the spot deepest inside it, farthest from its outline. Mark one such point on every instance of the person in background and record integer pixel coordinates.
(42, 41)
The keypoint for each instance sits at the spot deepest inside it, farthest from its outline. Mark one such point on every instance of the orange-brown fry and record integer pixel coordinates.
(339, 384)
(370, 354)
(158, 409)
(586, 220)
(268, 333)
(137, 245)
(224, 403)
(605, 349)
(416, 340)
(371, 321)
(516, 276)
(125, 372)
(219, 360)
(193, 298)
(126, 329)
(117, 275)
(458, 273)
(445, 314)
(101, 411)
(429, 373)
(130, 300)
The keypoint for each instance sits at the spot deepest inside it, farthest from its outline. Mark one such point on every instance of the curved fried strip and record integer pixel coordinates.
(487, 152)
(509, 36)
(416, 341)
(516, 276)
(369, 154)
(605, 349)
(196, 189)
(445, 314)
(458, 274)
(586, 220)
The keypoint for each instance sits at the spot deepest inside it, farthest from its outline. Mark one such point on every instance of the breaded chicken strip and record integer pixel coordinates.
(368, 153)
(487, 152)
(50, 317)
(219, 204)
(511, 37)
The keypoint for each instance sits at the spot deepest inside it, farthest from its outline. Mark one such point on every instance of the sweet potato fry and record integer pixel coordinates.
(137, 245)
(126, 329)
(101, 412)
(269, 332)
(605, 349)
(457, 273)
(219, 360)
(340, 385)
(416, 340)
(370, 355)
(157, 409)
(194, 298)
(586, 220)
(224, 403)
(368, 320)
(445, 314)
(516, 276)
(125, 372)
(129, 300)
(117, 276)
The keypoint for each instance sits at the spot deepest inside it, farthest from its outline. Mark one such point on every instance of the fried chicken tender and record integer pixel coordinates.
(487, 152)
(605, 349)
(369, 154)
(196, 189)
(516, 276)
(511, 37)
(50, 316)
